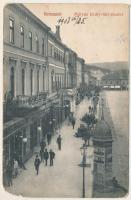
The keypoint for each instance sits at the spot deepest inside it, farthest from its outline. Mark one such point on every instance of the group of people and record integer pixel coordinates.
(91, 110)
(46, 155)
(12, 168)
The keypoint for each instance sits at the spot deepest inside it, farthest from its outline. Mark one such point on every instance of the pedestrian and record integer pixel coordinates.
(37, 164)
(73, 122)
(59, 142)
(15, 168)
(49, 138)
(69, 118)
(9, 173)
(89, 109)
(21, 163)
(46, 156)
(92, 110)
(52, 156)
(43, 144)
(42, 154)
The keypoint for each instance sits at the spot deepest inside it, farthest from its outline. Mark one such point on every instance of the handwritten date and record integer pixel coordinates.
(74, 20)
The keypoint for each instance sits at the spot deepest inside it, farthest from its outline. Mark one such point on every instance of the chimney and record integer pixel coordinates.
(58, 32)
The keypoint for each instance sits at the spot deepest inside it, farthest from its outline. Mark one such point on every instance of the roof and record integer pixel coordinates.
(29, 13)
(102, 130)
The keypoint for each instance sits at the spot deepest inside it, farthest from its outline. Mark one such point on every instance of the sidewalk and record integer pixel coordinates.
(64, 179)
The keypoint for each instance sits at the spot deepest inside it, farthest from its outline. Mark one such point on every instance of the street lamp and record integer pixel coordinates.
(83, 152)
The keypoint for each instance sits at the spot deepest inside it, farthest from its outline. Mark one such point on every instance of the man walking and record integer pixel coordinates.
(15, 168)
(48, 138)
(46, 156)
(37, 164)
(73, 122)
(9, 172)
(59, 142)
(42, 154)
(52, 156)
(43, 144)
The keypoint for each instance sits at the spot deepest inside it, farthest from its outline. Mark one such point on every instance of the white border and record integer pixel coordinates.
(4, 195)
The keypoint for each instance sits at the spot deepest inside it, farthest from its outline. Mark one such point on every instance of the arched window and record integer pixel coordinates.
(23, 81)
(12, 81)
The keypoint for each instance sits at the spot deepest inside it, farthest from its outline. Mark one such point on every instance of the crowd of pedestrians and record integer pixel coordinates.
(46, 156)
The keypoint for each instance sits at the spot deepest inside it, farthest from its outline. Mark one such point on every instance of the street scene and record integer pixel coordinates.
(65, 116)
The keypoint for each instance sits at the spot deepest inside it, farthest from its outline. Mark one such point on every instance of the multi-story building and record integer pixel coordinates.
(56, 54)
(79, 64)
(25, 71)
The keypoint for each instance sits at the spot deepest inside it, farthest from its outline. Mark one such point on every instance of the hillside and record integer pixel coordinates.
(113, 66)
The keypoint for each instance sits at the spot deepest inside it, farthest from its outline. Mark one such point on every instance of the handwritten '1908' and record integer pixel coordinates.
(74, 20)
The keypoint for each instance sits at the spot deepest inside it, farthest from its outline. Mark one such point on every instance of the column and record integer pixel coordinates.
(41, 79)
(18, 85)
(34, 81)
(27, 80)
(6, 75)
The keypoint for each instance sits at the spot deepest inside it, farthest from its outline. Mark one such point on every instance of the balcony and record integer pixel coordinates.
(34, 101)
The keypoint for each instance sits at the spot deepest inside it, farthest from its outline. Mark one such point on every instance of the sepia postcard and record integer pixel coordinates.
(65, 100)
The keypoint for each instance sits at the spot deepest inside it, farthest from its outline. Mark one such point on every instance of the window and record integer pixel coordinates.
(22, 36)
(31, 81)
(43, 47)
(37, 81)
(30, 40)
(23, 81)
(43, 80)
(12, 81)
(11, 31)
(37, 44)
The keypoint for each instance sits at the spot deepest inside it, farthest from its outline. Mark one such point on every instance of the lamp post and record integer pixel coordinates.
(83, 152)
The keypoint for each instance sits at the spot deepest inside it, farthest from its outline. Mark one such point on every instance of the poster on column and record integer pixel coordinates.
(65, 128)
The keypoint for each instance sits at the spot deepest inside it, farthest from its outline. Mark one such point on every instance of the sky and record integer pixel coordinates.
(102, 38)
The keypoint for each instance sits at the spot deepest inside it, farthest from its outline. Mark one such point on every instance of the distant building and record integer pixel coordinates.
(116, 80)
